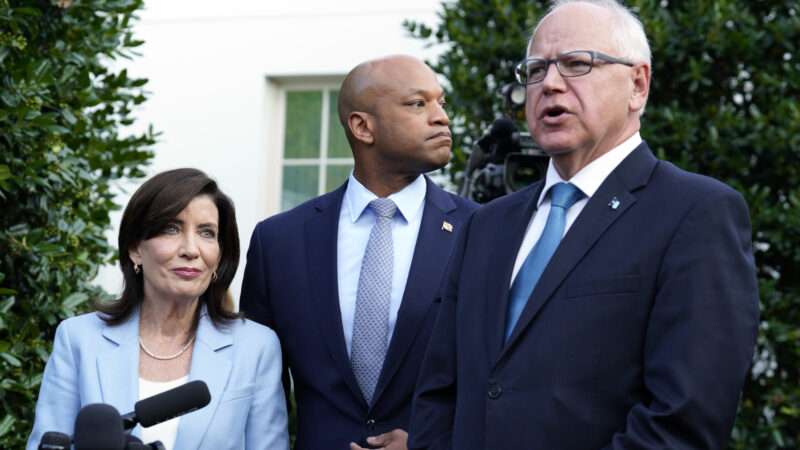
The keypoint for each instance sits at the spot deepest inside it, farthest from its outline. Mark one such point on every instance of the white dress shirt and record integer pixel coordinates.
(166, 432)
(588, 180)
(355, 225)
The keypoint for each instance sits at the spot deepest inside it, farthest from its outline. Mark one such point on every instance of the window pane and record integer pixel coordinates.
(336, 175)
(303, 123)
(337, 142)
(299, 184)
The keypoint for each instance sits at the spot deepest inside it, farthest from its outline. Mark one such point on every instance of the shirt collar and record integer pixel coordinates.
(589, 179)
(408, 200)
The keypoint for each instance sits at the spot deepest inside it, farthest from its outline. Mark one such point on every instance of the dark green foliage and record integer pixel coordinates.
(723, 102)
(62, 110)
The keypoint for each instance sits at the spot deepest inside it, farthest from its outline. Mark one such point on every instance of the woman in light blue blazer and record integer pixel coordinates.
(178, 250)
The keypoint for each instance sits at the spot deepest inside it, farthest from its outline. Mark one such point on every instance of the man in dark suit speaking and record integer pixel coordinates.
(612, 305)
(348, 279)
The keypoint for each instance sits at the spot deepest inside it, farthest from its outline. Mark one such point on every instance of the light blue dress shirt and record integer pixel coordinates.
(355, 224)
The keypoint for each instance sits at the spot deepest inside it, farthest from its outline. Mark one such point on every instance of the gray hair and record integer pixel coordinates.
(628, 36)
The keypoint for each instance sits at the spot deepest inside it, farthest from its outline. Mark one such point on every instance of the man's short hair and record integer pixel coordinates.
(628, 36)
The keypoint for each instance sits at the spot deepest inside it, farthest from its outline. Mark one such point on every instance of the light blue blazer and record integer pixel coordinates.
(93, 362)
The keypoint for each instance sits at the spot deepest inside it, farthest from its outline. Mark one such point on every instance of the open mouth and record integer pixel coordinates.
(553, 111)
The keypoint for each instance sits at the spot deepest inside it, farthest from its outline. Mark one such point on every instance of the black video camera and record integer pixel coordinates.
(504, 160)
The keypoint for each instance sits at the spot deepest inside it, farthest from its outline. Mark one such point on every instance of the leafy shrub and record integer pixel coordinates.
(62, 112)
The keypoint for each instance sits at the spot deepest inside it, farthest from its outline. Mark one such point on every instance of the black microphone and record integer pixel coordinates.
(168, 405)
(53, 440)
(98, 427)
(134, 443)
(503, 130)
(484, 147)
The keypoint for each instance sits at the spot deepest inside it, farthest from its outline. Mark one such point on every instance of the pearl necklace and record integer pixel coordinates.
(165, 358)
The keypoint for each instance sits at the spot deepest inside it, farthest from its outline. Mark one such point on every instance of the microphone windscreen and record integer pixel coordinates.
(53, 440)
(502, 127)
(503, 131)
(156, 445)
(172, 403)
(99, 427)
(134, 443)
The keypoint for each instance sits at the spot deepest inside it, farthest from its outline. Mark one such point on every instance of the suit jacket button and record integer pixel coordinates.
(495, 391)
(371, 424)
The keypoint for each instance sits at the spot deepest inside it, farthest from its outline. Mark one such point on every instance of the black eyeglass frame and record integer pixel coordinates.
(595, 55)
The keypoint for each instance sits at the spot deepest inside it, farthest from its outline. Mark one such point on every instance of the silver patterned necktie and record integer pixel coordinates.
(371, 321)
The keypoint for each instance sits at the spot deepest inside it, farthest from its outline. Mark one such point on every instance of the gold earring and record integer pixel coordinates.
(137, 268)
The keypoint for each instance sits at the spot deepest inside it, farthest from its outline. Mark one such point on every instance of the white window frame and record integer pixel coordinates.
(278, 87)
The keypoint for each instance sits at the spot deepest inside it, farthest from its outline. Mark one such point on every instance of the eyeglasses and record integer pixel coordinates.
(571, 64)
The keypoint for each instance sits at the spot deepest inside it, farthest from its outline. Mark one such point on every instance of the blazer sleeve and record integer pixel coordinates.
(434, 404)
(267, 422)
(701, 333)
(59, 398)
(254, 300)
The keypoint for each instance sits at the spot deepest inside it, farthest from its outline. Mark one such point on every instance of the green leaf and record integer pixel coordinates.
(49, 249)
(75, 299)
(69, 117)
(41, 68)
(5, 173)
(8, 98)
(6, 424)
(11, 359)
(57, 129)
(28, 11)
(34, 381)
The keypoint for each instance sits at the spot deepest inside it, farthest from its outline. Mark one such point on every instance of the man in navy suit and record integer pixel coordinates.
(611, 305)
(354, 317)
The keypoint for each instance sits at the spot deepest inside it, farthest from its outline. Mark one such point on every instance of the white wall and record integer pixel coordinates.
(208, 64)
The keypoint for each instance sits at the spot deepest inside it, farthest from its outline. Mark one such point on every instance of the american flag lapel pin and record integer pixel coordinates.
(447, 226)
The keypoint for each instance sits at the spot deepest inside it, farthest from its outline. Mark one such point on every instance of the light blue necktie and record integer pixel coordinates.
(371, 321)
(562, 197)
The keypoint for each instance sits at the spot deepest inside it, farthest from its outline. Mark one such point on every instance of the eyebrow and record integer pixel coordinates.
(559, 54)
(423, 92)
(205, 224)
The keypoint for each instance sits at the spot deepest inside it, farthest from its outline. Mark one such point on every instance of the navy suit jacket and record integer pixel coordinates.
(638, 335)
(290, 284)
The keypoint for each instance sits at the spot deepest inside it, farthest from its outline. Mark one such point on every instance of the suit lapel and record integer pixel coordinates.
(213, 367)
(501, 264)
(424, 277)
(321, 235)
(118, 365)
(597, 216)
